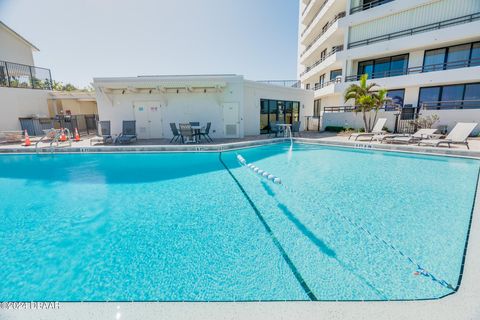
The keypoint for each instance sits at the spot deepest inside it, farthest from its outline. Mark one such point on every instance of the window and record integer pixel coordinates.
(317, 108)
(384, 67)
(323, 54)
(365, 67)
(277, 110)
(427, 95)
(451, 97)
(452, 93)
(472, 96)
(434, 60)
(307, 86)
(453, 57)
(335, 73)
(397, 97)
(458, 56)
(475, 56)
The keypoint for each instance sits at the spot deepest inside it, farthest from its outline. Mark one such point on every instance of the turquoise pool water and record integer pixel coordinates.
(177, 226)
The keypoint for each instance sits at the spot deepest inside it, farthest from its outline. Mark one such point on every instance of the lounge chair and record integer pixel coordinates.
(377, 130)
(176, 134)
(206, 132)
(186, 133)
(411, 138)
(296, 128)
(129, 133)
(458, 135)
(104, 134)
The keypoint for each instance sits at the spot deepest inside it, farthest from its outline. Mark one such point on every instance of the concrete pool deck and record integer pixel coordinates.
(464, 304)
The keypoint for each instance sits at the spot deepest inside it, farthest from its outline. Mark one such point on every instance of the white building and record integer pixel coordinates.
(236, 107)
(425, 52)
(24, 88)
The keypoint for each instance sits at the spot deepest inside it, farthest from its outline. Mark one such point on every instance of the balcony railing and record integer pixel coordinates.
(17, 75)
(416, 30)
(314, 17)
(339, 109)
(332, 52)
(325, 29)
(369, 5)
(306, 7)
(453, 104)
(319, 86)
(283, 83)
(420, 69)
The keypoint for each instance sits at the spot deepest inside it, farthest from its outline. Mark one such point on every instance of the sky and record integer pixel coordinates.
(83, 39)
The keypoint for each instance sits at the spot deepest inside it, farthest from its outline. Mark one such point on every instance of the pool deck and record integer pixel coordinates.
(464, 304)
(159, 145)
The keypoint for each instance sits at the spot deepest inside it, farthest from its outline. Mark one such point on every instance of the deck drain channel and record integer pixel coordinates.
(284, 254)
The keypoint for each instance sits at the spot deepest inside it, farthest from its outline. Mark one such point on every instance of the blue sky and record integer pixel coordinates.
(82, 39)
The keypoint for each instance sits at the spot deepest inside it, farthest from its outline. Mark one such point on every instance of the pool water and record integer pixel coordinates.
(180, 227)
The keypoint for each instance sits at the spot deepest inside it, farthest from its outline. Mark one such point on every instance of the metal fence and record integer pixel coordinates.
(368, 5)
(18, 75)
(84, 123)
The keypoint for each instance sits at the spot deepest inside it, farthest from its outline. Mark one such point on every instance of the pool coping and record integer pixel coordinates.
(367, 145)
(462, 304)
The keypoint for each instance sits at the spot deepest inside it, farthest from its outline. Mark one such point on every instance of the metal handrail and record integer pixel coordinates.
(314, 17)
(412, 31)
(319, 86)
(324, 30)
(369, 5)
(419, 69)
(18, 75)
(316, 63)
(450, 104)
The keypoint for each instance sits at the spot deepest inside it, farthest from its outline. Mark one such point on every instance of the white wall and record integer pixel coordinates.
(177, 108)
(452, 117)
(355, 120)
(12, 49)
(16, 103)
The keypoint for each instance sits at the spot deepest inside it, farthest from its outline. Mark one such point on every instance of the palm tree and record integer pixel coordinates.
(367, 98)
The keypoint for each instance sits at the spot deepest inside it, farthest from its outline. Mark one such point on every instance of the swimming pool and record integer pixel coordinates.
(181, 227)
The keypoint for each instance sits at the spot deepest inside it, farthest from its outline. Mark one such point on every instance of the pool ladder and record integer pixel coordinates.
(55, 140)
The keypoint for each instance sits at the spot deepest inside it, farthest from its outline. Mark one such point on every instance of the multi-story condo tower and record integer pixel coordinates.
(425, 52)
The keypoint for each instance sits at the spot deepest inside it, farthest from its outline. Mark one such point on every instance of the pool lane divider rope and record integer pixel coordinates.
(419, 269)
(276, 242)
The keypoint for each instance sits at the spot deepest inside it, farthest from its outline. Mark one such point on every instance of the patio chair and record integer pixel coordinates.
(458, 135)
(206, 132)
(175, 132)
(410, 138)
(129, 132)
(186, 133)
(274, 129)
(296, 128)
(377, 130)
(104, 134)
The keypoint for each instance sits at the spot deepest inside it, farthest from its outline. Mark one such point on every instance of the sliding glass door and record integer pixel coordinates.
(272, 111)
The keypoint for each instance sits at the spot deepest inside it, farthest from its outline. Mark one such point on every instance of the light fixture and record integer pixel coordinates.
(123, 91)
(205, 90)
(150, 91)
(177, 91)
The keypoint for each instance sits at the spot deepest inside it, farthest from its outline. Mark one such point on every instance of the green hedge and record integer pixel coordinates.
(337, 129)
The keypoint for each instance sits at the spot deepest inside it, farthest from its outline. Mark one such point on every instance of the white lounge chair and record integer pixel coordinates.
(411, 138)
(458, 135)
(377, 130)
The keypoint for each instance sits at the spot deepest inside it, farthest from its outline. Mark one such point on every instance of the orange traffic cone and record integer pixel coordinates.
(63, 137)
(77, 136)
(27, 140)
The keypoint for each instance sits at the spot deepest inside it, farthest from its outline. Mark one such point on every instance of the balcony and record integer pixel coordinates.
(368, 5)
(332, 52)
(475, 62)
(324, 30)
(314, 17)
(306, 7)
(282, 83)
(15, 75)
(413, 31)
